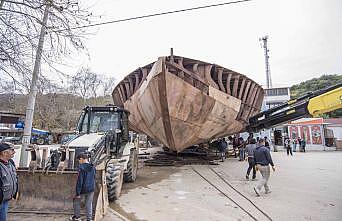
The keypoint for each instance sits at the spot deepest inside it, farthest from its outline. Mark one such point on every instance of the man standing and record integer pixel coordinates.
(263, 159)
(8, 178)
(85, 187)
(241, 148)
(294, 143)
(303, 145)
(223, 148)
(288, 146)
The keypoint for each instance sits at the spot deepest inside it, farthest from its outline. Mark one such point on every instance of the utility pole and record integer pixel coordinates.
(33, 91)
(267, 64)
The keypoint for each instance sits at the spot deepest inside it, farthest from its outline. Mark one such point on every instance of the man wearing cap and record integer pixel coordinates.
(8, 178)
(263, 160)
(85, 187)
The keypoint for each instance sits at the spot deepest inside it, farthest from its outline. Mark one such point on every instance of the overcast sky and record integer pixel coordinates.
(305, 37)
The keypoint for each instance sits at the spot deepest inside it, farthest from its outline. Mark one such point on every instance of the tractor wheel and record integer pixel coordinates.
(132, 167)
(114, 177)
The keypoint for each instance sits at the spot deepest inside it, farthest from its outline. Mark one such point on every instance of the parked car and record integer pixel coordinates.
(41, 139)
(13, 140)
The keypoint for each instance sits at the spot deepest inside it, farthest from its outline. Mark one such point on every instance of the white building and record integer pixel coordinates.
(276, 96)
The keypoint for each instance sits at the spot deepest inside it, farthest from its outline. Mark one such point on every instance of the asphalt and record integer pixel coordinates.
(306, 186)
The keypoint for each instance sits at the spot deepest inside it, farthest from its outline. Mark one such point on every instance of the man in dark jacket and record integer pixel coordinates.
(263, 159)
(85, 187)
(250, 148)
(8, 178)
(223, 148)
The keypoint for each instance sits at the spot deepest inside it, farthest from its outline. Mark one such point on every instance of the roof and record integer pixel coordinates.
(333, 121)
(11, 114)
(307, 121)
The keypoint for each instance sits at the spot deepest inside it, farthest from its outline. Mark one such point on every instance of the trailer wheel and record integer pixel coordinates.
(114, 177)
(132, 167)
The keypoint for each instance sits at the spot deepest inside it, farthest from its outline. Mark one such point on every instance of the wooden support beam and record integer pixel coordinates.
(228, 83)
(131, 85)
(242, 87)
(246, 91)
(136, 86)
(235, 86)
(128, 90)
(207, 74)
(219, 75)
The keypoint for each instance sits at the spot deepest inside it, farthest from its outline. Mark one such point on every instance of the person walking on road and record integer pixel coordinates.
(250, 156)
(85, 187)
(263, 159)
(8, 178)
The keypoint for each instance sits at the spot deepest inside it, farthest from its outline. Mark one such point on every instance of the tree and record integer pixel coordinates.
(108, 84)
(21, 23)
(314, 84)
(85, 83)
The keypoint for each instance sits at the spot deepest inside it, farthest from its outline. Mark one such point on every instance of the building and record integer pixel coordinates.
(276, 96)
(333, 132)
(11, 124)
(319, 133)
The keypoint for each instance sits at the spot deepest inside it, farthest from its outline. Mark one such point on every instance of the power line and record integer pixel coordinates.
(156, 14)
(141, 17)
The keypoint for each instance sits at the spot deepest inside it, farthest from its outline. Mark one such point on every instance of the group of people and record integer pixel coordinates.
(239, 145)
(85, 185)
(256, 152)
(288, 142)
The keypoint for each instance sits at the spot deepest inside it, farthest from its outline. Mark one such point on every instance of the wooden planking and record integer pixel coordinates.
(200, 75)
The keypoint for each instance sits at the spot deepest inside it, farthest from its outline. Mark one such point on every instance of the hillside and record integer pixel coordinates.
(317, 84)
(314, 84)
(54, 112)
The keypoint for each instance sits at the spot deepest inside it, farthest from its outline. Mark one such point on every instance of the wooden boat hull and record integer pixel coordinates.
(182, 107)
